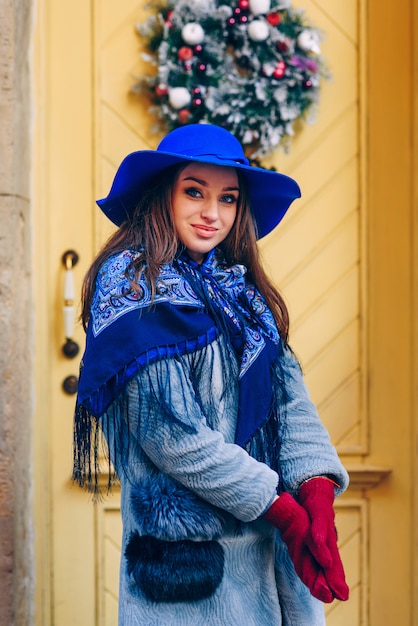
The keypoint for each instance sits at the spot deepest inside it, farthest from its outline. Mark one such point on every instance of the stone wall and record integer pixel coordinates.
(16, 346)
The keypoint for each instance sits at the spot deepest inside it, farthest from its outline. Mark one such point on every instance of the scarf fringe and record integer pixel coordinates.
(90, 447)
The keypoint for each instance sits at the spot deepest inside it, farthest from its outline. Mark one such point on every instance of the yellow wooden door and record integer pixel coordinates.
(86, 59)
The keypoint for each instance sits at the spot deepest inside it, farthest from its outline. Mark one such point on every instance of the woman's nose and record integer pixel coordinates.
(210, 209)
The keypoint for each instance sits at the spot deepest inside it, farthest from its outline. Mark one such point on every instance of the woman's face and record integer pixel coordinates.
(205, 202)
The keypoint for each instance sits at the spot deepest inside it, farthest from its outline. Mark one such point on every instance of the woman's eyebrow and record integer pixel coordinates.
(196, 180)
(205, 184)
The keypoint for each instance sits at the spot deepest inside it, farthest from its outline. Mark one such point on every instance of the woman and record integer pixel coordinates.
(227, 475)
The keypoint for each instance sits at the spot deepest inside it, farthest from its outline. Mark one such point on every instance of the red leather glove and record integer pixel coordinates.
(293, 523)
(317, 498)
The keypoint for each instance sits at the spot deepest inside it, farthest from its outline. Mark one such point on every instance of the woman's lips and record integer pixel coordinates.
(204, 231)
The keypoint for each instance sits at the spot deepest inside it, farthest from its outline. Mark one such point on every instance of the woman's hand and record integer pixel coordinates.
(294, 524)
(317, 498)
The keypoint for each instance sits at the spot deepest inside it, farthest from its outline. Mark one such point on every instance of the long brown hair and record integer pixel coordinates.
(151, 231)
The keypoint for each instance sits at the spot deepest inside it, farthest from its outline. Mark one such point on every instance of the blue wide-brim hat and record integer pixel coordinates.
(270, 193)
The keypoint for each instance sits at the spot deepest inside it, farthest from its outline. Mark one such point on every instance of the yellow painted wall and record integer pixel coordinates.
(391, 321)
(344, 258)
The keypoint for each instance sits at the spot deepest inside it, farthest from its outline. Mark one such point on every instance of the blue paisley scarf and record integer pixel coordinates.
(193, 305)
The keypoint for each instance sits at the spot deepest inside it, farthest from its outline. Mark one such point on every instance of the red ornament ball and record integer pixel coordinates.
(185, 53)
(243, 4)
(183, 116)
(161, 90)
(274, 18)
(279, 70)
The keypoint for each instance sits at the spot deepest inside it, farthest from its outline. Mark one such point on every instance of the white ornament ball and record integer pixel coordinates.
(258, 30)
(308, 41)
(259, 7)
(192, 33)
(179, 97)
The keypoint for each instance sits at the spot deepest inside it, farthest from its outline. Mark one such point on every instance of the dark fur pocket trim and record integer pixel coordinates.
(174, 571)
(165, 509)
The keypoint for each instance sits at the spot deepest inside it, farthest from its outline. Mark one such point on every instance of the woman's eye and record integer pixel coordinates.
(229, 199)
(193, 192)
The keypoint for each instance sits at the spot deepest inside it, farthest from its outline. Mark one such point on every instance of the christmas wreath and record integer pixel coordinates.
(251, 66)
